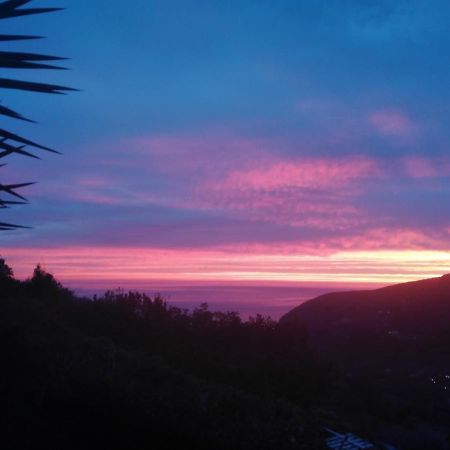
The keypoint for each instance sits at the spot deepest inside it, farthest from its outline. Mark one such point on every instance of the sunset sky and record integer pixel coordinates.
(237, 141)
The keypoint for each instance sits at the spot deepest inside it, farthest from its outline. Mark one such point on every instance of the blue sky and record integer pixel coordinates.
(243, 127)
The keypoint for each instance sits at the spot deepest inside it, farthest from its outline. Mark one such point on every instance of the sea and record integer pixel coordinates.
(269, 301)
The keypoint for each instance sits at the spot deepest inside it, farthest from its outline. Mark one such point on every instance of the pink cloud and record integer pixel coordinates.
(89, 190)
(392, 123)
(314, 173)
(94, 182)
(420, 167)
(382, 255)
(314, 192)
(371, 240)
(248, 179)
(377, 239)
(240, 179)
(210, 152)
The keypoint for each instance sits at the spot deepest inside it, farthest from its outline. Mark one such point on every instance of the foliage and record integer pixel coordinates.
(128, 370)
(11, 143)
(5, 271)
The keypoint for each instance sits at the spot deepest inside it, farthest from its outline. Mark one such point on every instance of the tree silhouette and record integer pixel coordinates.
(11, 143)
(5, 270)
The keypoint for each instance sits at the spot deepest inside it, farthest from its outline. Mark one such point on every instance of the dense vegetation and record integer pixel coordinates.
(126, 370)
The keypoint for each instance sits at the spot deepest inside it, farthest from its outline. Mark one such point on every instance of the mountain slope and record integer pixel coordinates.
(413, 313)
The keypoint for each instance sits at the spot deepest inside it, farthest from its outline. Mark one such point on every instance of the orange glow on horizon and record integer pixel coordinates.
(85, 266)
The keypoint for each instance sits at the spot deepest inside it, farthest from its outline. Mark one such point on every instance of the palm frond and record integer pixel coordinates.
(11, 227)
(12, 143)
(11, 189)
(17, 37)
(7, 83)
(11, 150)
(4, 111)
(15, 60)
(7, 203)
(6, 135)
(9, 9)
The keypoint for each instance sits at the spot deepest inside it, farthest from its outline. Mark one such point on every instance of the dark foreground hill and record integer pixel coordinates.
(395, 339)
(417, 306)
(128, 371)
(409, 316)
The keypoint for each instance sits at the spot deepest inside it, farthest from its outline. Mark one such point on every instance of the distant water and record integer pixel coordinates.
(270, 301)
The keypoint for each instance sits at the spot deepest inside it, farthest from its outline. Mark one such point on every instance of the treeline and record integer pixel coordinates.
(126, 370)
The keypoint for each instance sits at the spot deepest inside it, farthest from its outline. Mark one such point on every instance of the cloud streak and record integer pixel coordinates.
(393, 123)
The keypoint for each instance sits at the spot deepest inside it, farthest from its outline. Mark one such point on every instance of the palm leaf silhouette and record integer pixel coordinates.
(11, 143)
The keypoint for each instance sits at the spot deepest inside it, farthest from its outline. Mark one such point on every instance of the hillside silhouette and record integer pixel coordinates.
(395, 339)
(401, 302)
(126, 370)
(408, 315)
